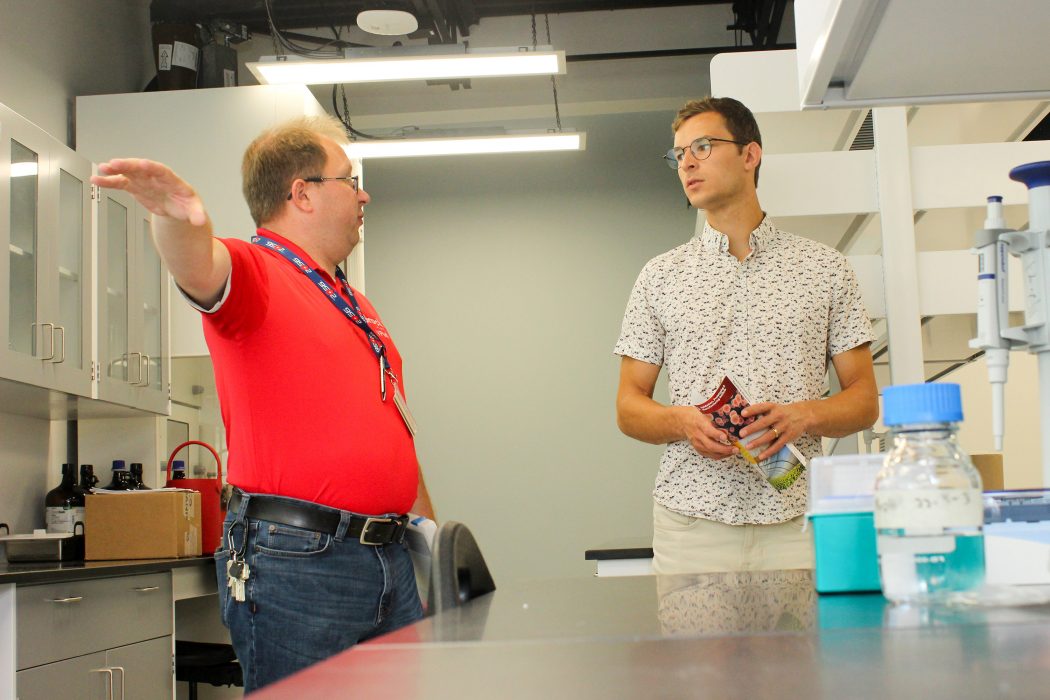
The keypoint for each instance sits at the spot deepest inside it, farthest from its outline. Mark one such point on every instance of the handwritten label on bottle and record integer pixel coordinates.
(928, 509)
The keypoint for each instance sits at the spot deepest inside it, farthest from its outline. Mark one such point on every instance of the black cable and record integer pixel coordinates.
(344, 118)
(554, 83)
(534, 25)
(291, 46)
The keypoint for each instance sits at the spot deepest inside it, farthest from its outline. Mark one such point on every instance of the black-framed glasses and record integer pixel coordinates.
(700, 148)
(349, 179)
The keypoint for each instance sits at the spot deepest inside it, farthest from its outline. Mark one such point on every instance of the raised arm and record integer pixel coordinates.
(182, 230)
(642, 418)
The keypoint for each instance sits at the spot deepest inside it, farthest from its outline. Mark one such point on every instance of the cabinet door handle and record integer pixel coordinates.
(138, 368)
(71, 599)
(109, 681)
(121, 669)
(61, 345)
(145, 363)
(51, 339)
(146, 589)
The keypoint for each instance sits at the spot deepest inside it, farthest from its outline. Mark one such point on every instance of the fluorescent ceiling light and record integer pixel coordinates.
(23, 169)
(408, 63)
(511, 143)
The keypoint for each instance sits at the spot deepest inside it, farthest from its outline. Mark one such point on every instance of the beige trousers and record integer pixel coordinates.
(686, 545)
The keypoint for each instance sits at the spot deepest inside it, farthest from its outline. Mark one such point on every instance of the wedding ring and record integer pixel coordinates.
(775, 432)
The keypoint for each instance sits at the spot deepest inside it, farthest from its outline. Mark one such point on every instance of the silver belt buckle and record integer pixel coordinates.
(364, 530)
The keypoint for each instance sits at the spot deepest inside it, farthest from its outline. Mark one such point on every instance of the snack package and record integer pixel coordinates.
(725, 407)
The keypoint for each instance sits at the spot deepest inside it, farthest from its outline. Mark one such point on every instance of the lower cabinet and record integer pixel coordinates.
(108, 638)
(133, 672)
(73, 678)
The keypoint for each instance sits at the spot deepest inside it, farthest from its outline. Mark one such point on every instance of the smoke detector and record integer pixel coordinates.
(387, 22)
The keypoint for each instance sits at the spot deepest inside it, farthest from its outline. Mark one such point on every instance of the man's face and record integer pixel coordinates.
(342, 208)
(723, 176)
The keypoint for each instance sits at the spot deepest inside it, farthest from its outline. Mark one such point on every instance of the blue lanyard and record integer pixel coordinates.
(352, 310)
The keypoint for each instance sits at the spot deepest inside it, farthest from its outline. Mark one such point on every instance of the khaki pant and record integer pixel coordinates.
(686, 545)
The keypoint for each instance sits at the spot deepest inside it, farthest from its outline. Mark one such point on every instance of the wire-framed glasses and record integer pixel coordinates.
(349, 179)
(700, 148)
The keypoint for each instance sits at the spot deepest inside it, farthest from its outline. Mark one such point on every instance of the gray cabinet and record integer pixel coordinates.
(141, 670)
(80, 678)
(96, 639)
(45, 223)
(132, 307)
(148, 669)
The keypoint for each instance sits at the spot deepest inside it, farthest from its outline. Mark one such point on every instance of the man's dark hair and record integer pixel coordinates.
(739, 120)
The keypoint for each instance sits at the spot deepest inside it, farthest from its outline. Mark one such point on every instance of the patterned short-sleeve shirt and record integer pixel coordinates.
(772, 320)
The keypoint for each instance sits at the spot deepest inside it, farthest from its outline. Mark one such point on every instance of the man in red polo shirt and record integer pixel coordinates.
(312, 393)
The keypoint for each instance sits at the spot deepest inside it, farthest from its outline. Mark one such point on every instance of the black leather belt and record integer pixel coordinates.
(374, 530)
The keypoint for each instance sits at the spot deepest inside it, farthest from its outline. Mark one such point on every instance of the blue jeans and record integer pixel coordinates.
(309, 595)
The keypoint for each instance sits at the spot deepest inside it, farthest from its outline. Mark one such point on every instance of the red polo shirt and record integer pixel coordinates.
(298, 384)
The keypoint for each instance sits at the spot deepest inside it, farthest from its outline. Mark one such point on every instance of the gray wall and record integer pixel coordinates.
(24, 477)
(51, 51)
(503, 280)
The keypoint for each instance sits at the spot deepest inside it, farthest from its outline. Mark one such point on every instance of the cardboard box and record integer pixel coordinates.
(990, 466)
(142, 525)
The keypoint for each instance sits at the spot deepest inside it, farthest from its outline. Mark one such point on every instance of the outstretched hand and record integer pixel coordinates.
(155, 186)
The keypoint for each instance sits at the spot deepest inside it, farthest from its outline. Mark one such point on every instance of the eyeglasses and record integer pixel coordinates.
(700, 148)
(350, 179)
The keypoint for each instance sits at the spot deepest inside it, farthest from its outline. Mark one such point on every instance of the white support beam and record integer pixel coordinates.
(900, 270)
(965, 175)
(947, 283)
(831, 182)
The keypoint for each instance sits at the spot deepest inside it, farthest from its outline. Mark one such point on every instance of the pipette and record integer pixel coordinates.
(992, 310)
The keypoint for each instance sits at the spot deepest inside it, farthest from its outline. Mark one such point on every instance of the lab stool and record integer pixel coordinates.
(204, 662)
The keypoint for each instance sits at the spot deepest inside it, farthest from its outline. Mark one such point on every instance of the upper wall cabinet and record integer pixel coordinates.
(46, 219)
(61, 328)
(132, 307)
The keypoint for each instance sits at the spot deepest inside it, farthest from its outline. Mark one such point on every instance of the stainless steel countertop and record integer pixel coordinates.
(754, 635)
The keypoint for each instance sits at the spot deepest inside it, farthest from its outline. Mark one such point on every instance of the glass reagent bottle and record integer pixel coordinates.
(928, 507)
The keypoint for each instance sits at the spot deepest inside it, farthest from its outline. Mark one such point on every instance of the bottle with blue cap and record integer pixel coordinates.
(178, 469)
(121, 477)
(928, 508)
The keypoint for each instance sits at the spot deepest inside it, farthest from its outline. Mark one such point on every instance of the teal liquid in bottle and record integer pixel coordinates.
(928, 506)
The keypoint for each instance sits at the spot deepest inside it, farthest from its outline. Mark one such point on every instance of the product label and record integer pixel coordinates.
(928, 509)
(63, 520)
(164, 57)
(184, 55)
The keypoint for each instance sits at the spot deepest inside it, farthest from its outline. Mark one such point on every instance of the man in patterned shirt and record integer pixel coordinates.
(769, 308)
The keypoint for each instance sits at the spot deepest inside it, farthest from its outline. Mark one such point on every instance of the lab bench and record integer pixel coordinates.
(730, 635)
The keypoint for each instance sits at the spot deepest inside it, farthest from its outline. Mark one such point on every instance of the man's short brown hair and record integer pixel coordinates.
(739, 120)
(280, 155)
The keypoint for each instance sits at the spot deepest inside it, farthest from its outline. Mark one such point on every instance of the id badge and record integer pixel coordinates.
(402, 408)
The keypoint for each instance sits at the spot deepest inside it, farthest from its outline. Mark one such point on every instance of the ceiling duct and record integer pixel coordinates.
(865, 138)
